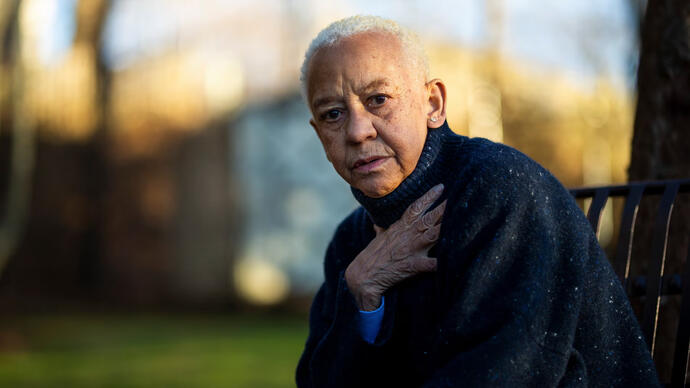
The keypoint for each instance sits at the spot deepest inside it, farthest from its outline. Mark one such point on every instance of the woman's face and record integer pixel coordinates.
(370, 109)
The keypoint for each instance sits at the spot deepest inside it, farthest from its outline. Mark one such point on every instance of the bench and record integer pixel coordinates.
(656, 284)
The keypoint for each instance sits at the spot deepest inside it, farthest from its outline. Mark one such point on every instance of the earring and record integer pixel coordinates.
(433, 119)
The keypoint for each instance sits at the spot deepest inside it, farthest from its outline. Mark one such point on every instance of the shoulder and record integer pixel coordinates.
(499, 185)
(505, 172)
(500, 162)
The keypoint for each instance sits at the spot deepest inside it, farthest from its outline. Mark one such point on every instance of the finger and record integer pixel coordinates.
(424, 241)
(423, 264)
(431, 234)
(433, 217)
(413, 265)
(439, 211)
(422, 204)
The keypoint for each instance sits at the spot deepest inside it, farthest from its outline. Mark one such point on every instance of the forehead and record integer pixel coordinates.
(357, 61)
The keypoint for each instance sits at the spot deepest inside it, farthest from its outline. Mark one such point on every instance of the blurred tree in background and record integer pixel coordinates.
(21, 148)
(661, 142)
(661, 138)
(117, 181)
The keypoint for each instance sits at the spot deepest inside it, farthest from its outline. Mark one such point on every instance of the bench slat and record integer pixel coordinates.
(627, 230)
(601, 195)
(659, 283)
(656, 268)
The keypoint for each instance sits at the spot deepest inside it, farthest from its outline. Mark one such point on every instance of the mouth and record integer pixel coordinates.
(369, 163)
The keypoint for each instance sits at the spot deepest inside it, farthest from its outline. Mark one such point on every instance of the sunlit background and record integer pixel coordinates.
(164, 204)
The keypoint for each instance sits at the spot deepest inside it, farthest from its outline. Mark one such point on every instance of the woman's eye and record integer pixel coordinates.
(331, 115)
(378, 100)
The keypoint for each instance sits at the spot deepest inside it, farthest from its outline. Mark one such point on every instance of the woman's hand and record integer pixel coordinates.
(396, 253)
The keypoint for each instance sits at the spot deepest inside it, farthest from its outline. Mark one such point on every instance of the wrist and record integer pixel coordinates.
(367, 298)
(369, 302)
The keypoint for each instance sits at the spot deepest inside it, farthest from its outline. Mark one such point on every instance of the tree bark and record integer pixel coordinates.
(661, 143)
(661, 139)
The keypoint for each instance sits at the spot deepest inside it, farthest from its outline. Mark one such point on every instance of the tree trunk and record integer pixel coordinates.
(14, 213)
(661, 142)
(90, 21)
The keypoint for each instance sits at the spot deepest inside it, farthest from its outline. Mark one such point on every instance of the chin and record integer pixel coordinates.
(376, 191)
(376, 194)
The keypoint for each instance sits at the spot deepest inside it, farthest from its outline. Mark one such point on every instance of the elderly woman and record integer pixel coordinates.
(467, 264)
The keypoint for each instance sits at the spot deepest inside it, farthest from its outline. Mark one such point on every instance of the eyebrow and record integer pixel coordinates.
(323, 101)
(371, 85)
(374, 84)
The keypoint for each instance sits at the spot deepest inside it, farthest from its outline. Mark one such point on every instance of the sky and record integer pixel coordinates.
(582, 38)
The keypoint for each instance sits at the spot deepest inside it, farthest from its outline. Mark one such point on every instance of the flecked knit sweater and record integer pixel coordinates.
(523, 295)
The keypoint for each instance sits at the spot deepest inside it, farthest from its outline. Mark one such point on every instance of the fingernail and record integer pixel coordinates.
(438, 188)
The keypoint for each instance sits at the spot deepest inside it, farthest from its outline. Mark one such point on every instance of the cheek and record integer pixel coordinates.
(336, 156)
(411, 150)
(409, 164)
(329, 144)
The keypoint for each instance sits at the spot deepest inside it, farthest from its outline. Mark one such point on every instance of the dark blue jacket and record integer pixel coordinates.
(523, 295)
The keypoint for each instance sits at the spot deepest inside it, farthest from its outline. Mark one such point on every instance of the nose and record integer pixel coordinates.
(360, 126)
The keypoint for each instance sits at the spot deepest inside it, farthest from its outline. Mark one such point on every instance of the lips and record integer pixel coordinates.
(368, 163)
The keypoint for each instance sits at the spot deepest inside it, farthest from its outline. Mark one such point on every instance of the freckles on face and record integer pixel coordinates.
(367, 103)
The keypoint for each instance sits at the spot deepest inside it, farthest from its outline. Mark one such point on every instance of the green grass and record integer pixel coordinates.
(150, 351)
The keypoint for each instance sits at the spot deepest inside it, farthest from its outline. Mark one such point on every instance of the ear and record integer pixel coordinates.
(318, 133)
(436, 91)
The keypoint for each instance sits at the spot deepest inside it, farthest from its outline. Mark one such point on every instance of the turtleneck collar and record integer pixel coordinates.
(431, 170)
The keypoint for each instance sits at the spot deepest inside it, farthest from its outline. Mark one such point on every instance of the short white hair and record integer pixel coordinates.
(359, 24)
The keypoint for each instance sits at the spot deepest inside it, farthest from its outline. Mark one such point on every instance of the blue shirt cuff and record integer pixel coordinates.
(370, 323)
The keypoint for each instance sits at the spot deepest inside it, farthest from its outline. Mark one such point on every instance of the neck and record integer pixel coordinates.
(432, 168)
